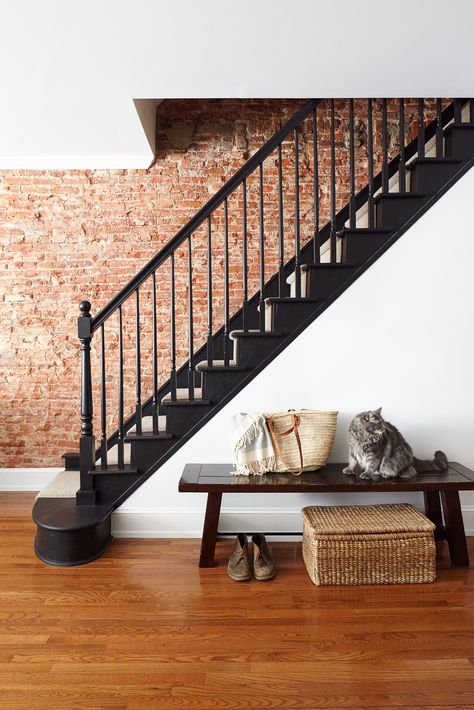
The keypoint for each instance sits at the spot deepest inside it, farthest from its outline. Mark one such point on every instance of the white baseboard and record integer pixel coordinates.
(26, 479)
(166, 522)
(180, 522)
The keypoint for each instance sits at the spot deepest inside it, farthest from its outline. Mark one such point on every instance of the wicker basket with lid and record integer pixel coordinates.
(368, 544)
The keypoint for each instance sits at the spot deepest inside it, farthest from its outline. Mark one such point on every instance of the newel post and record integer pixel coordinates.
(86, 494)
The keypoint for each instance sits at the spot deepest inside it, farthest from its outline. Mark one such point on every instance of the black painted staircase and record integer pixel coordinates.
(77, 529)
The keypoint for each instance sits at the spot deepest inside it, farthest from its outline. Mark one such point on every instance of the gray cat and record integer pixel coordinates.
(376, 448)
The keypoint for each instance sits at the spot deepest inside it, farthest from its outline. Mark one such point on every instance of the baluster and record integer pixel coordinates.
(155, 358)
(316, 239)
(210, 344)
(402, 172)
(190, 324)
(471, 110)
(281, 243)
(121, 433)
(439, 129)
(261, 298)
(173, 382)
(333, 243)
(103, 402)
(226, 283)
(297, 218)
(385, 187)
(138, 374)
(457, 110)
(86, 495)
(370, 164)
(352, 205)
(421, 128)
(245, 293)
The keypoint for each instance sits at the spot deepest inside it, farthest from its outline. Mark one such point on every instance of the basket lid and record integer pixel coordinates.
(366, 519)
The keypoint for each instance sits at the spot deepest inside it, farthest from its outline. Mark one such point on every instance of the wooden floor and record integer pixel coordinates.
(145, 628)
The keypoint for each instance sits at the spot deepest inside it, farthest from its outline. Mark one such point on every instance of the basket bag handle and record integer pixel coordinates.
(294, 428)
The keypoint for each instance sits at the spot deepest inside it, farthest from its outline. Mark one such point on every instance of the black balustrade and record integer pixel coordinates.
(421, 128)
(281, 233)
(385, 185)
(316, 238)
(226, 284)
(210, 342)
(261, 233)
(402, 171)
(138, 368)
(370, 164)
(190, 323)
(103, 401)
(173, 373)
(272, 206)
(352, 207)
(121, 430)
(333, 241)
(155, 403)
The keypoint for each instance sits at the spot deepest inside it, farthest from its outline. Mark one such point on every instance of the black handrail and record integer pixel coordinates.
(200, 216)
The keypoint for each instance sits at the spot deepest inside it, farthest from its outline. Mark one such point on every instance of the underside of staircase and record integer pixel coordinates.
(73, 517)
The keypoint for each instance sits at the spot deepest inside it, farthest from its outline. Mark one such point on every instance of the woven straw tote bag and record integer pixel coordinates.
(302, 439)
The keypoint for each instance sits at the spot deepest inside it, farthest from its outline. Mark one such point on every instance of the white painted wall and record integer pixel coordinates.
(401, 337)
(69, 71)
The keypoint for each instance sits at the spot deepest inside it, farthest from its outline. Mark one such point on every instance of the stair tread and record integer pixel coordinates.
(218, 366)
(328, 265)
(64, 514)
(149, 436)
(463, 125)
(113, 469)
(399, 195)
(292, 299)
(363, 230)
(432, 161)
(255, 334)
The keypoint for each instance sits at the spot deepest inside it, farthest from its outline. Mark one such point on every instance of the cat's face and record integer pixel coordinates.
(371, 420)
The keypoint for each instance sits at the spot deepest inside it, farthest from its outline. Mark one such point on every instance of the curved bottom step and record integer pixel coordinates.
(69, 534)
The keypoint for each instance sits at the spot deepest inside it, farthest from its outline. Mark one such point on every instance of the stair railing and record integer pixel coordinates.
(380, 167)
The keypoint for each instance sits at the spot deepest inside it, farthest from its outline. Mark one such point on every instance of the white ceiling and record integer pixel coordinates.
(70, 70)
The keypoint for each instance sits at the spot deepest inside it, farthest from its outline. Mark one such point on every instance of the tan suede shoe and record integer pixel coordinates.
(239, 567)
(263, 567)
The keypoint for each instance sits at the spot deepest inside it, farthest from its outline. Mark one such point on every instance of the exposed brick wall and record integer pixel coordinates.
(69, 235)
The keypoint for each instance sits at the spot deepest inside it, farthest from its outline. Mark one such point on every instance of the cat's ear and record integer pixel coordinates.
(378, 411)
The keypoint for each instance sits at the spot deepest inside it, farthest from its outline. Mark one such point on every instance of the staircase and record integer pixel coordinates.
(282, 213)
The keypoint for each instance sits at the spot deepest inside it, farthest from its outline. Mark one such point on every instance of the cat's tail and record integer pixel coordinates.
(439, 463)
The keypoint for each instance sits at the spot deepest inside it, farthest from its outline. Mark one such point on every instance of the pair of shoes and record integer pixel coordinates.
(245, 561)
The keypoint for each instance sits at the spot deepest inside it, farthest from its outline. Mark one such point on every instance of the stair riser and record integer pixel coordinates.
(218, 384)
(145, 453)
(250, 351)
(72, 547)
(392, 212)
(430, 178)
(459, 142)
(323, 282)
(110, 487)
(285, 317)
(182, 417)
(358, 248)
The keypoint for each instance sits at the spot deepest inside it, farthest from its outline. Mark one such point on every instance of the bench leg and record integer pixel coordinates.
(455, 528)
(433, 512)
(209, 533)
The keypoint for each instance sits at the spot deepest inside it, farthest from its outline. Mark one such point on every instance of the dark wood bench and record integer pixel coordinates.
(440, 491)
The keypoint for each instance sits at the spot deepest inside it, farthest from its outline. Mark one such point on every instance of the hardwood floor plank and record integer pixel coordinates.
(143, 628)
